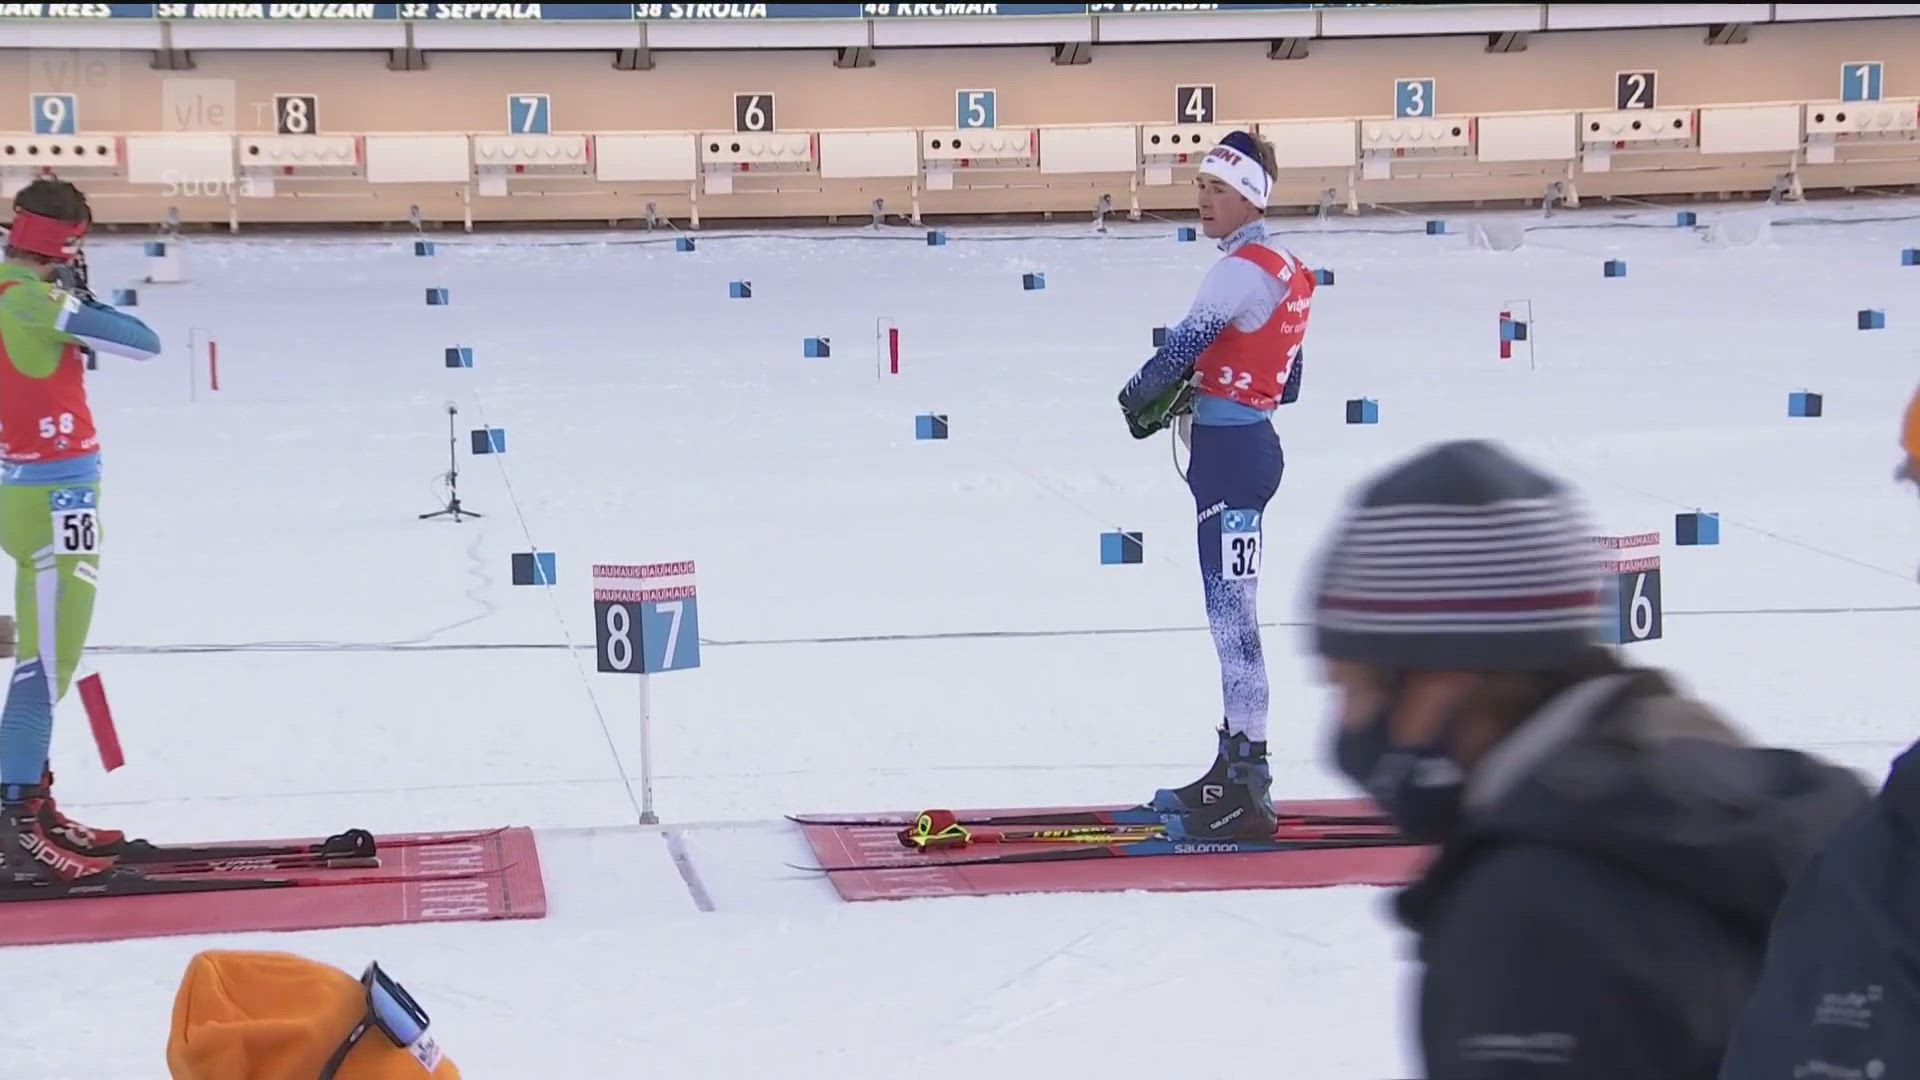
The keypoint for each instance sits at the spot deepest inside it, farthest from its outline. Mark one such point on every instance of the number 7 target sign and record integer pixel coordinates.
(646, 618)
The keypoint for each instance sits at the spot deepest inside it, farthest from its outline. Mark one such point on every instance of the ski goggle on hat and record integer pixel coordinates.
(398, 1017)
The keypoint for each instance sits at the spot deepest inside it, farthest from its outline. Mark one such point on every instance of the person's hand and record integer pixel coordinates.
(1158, 414)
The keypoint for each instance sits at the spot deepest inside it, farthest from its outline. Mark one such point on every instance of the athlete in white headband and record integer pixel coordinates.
(1238, 165)
(1230, 363)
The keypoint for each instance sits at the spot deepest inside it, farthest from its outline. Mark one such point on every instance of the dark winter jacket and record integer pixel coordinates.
(1602, 911)
(1840, 996)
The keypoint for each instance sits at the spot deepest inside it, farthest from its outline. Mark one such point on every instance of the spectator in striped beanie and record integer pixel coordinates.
(1609, 851)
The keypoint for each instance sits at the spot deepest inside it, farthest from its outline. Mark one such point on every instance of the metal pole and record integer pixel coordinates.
(647, 816)
(193, 364)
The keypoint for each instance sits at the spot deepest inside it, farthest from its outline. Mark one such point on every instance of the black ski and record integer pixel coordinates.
(1157, 846)
(354, 844)
(346, 848)
(1133, 815)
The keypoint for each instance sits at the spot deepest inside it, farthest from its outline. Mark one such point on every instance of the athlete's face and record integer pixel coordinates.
(1222, 209)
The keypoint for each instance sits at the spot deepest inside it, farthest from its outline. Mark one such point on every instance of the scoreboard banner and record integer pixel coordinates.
(275, 13)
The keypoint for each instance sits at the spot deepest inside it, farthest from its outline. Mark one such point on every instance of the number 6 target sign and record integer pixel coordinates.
(646, 620)
(1630, 591)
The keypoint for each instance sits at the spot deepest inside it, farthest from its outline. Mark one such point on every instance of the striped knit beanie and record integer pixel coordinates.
(1462, 558)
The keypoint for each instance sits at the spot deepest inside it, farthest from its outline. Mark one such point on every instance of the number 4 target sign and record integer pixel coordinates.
(646, 621)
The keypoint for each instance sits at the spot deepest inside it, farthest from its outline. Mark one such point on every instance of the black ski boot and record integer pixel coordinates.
(29, 856)
(1202, 792)
(1244, 808)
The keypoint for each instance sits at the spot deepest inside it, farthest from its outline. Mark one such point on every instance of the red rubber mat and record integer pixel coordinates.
(454, 877)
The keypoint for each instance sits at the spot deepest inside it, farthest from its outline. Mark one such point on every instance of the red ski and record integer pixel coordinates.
(132, 883)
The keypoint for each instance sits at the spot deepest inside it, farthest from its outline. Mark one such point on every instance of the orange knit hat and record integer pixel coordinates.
(1910, 429)
(276, 1016)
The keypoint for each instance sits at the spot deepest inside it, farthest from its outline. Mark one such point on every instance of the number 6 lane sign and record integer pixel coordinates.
(1630, 595)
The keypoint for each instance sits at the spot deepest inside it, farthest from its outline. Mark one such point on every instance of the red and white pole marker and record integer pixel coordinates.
(203, 355)
(886, 347)
(93, 696)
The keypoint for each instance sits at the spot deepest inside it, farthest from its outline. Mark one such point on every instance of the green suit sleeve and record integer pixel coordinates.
(31, 314)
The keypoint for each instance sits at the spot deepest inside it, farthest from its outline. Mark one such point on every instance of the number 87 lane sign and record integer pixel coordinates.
(646, 618)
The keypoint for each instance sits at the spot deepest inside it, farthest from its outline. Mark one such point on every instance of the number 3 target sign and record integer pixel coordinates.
(646, 618)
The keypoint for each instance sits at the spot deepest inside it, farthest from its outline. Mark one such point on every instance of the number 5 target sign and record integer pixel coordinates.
(646, 621)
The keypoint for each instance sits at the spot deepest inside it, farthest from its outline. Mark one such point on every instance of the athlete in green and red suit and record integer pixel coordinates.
(49, 514)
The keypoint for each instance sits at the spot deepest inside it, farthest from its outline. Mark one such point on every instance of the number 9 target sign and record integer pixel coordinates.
(55, 114)
(646, 618)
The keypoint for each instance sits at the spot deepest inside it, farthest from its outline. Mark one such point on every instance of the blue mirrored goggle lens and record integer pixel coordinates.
(393, 1009)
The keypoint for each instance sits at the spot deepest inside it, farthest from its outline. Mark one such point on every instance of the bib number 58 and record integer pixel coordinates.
(76, 532)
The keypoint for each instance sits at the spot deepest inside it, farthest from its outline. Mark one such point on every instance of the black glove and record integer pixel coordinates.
(1136, 425)
(73, 278)
(1158, 414)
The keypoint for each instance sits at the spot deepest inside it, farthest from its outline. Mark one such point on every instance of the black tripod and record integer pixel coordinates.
(453, 508)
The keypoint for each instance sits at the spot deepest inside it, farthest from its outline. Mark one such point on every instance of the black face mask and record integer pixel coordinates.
(1419, 787)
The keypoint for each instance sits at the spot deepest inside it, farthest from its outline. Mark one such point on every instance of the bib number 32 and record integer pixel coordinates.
(76, 522)
(1240, 544)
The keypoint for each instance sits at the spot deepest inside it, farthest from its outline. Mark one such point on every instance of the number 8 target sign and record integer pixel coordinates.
(646, 621)
(646, 618)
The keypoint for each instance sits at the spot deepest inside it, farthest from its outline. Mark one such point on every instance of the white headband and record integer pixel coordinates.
(1244, 174)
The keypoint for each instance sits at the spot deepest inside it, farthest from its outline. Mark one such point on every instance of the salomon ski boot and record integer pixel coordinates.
(1244, 808)
(1202, 792)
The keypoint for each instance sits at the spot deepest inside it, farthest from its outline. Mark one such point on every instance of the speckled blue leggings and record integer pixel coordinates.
(1233, 473)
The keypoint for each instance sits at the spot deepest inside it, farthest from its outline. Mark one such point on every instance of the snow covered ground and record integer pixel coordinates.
(291, 651)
